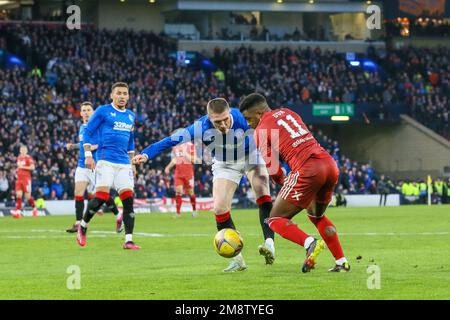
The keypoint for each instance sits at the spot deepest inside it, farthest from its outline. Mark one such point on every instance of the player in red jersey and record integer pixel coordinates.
(282, 134)
(183, 157)
(25, 165)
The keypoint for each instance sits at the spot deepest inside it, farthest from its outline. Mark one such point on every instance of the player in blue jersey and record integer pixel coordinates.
(225, 132)
(84, 178)
(114, 125)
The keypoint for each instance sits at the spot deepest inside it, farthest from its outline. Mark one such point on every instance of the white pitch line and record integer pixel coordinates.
(48, 237)
(105, 234)
(395, 234)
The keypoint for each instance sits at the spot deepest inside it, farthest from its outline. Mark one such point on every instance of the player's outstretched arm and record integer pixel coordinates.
(157, 148)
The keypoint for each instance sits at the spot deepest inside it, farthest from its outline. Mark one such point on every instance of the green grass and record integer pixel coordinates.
(411, 245)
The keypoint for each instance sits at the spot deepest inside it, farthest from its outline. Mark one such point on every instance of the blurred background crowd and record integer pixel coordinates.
(39, 103)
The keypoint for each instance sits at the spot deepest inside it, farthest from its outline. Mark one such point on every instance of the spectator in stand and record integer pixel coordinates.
(4, 187)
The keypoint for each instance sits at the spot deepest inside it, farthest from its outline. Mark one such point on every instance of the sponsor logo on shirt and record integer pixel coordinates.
(122, 126)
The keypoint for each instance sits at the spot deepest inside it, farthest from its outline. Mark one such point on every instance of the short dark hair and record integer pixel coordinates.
(87, 103)
(251, 101)
(119, 85)
(217, 105)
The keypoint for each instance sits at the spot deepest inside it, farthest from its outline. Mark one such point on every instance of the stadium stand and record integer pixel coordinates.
(419, 27)
(420, 77)
(43, 99)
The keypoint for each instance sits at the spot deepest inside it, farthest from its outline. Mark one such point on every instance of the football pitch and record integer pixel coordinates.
(409, 247)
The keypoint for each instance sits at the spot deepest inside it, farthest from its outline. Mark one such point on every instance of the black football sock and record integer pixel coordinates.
(93, 206)
(128, 215)
(264, 214)
(112, 206)
(79, 208)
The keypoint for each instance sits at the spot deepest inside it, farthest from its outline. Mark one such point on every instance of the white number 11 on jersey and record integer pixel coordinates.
(294, 134)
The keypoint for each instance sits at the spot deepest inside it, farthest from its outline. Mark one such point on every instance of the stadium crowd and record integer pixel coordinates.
(419, 27)
(38, 106)
(420, 77)
(262, 33)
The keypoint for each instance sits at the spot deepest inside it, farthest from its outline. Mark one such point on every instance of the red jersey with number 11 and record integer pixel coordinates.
(282, 133)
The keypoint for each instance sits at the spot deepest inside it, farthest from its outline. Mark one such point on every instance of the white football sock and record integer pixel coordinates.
(240, 258)
(83, 224)
(269, 243)
(341, 261)
(308, 242)
(128, 238)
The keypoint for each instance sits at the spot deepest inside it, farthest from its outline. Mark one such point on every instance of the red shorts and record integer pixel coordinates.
(187, 182)
(23, 185)
(315, 180)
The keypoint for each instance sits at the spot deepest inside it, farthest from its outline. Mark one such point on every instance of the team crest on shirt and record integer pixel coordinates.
(113, 114)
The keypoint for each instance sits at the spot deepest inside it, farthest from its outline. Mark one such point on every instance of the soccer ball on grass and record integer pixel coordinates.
(228, 243)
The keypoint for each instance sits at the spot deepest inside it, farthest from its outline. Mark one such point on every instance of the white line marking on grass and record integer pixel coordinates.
(395, 234)
(105, 234)
(48, 237)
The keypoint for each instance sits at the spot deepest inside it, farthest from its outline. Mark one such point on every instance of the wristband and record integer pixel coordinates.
(88, 154)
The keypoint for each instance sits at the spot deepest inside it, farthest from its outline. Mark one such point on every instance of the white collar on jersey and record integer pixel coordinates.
(124, 110)
(232, 120)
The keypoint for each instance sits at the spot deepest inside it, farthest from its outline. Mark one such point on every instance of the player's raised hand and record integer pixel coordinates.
(140, 158)
(89, 163)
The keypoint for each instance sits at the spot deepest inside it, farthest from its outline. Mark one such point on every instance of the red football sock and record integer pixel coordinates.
(19, 203)
(288, 230)
(178, 202)
(31, 202)
(193, 202)
(329, 234)
(224, 221)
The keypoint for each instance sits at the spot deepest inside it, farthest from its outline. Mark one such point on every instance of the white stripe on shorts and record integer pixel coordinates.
(289, 185)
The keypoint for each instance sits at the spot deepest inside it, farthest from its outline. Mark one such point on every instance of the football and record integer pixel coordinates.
(228, 243)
